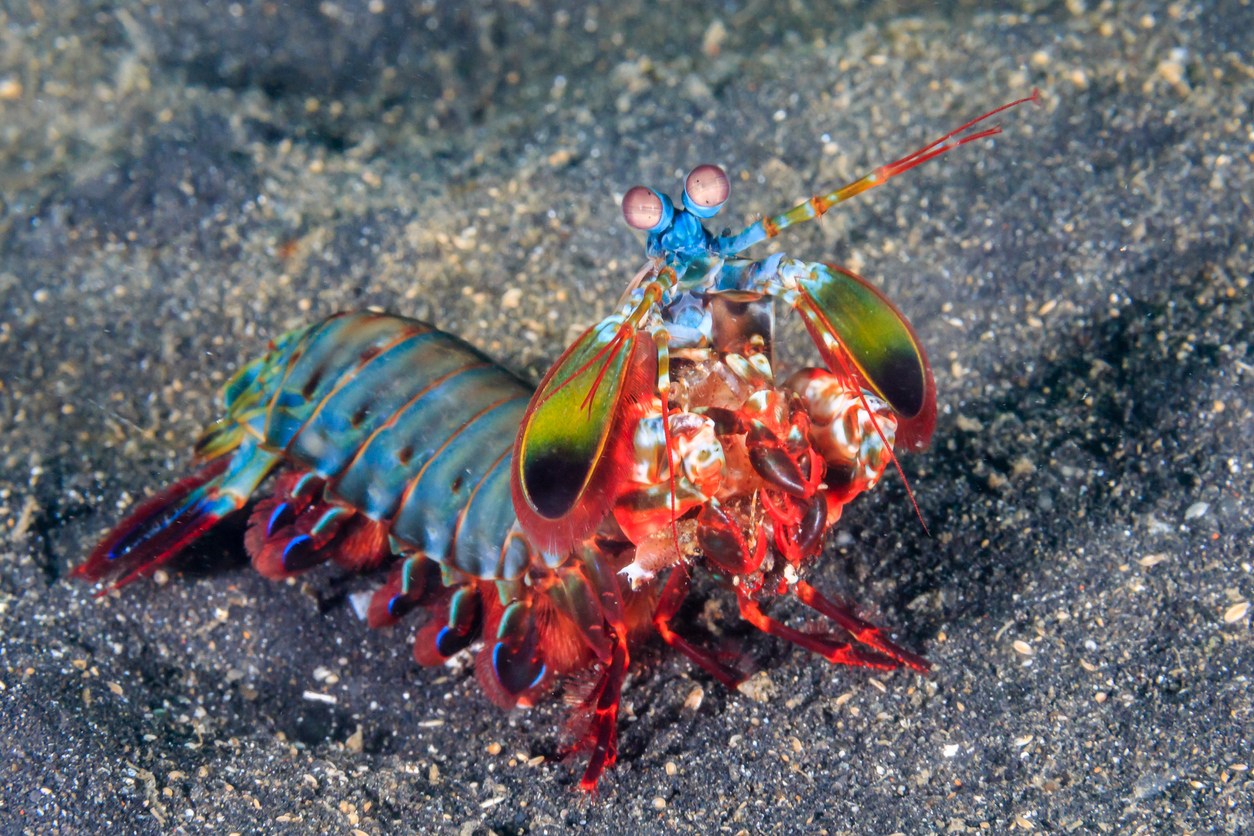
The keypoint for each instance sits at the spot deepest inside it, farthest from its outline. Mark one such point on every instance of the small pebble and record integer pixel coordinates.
(1197, 509)
(1236, 612)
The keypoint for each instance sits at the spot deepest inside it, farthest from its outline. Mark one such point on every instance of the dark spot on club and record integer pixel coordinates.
(553, 483)
(899, 377)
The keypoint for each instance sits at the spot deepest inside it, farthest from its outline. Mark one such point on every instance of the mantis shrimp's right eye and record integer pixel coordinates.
(706, 190)
(647, 210)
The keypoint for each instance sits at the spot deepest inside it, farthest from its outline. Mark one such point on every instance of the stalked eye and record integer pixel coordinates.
(645, 209)
(706, 190)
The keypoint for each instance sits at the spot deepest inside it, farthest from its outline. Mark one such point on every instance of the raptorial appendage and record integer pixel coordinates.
(552, 531)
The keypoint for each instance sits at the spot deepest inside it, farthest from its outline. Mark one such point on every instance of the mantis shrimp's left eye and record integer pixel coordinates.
(647, 210)
(706, 190)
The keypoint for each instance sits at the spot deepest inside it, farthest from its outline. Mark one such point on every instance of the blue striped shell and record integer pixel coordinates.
(405, 422)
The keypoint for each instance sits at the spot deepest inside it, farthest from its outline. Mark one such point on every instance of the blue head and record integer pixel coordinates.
(678, 233)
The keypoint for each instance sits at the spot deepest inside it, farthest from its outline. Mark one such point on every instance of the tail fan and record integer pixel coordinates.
(161, 527)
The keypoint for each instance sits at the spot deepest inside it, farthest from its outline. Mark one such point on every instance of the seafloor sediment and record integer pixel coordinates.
(180, 181)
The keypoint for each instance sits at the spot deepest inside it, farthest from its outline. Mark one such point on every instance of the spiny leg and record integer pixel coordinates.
(841, 653)
(816, 206)
(863, 631)
(604, 704)
(586, 591)
(608, 692)
(673, 595)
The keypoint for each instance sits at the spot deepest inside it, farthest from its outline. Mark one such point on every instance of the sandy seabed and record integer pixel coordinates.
(180, 182)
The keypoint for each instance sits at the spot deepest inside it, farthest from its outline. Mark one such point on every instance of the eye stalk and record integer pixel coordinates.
(647, 210)
(706, 190)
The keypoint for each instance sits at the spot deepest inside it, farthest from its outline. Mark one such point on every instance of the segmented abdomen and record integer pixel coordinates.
(411, 426)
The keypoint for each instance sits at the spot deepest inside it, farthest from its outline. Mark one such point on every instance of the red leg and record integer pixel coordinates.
(604, 704)
(587, 592)
(672, 597)
(863, 631)
(841, 653)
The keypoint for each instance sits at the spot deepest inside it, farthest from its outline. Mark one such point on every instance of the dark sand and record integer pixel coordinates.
(180, 181)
